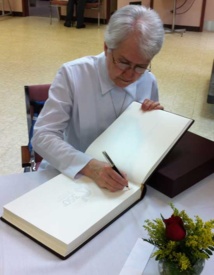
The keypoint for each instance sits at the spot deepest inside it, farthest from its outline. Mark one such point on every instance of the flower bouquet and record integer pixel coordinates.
(183, 244)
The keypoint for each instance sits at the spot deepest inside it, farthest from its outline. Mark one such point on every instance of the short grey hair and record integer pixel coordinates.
(135, 18)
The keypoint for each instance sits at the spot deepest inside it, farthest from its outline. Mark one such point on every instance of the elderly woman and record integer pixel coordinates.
(89, 93)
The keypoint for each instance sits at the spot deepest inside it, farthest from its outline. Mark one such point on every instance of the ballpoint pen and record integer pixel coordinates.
(114, 167)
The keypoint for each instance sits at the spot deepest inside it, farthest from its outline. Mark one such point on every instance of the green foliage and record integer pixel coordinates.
(198, 243)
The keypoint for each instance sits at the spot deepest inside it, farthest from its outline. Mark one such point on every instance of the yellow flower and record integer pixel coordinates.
(198, 243)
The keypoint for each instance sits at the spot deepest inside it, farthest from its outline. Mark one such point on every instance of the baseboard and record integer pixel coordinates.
(188, 28)
(6, 13)
(14, 13)
(88, 19)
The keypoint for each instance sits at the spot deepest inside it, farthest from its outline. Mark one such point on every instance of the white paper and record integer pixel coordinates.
(138, 258)
(137, 141)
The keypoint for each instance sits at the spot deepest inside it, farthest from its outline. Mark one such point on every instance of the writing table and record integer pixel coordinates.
(107, 252)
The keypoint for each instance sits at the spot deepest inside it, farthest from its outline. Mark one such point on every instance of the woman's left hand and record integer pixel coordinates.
(149, 105)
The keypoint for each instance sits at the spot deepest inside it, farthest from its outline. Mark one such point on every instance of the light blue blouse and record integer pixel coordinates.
(82, 103)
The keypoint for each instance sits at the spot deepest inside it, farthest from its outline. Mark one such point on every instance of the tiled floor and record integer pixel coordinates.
(32, 50)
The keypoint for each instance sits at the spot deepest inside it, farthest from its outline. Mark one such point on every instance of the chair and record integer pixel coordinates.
(95, 5)
(57, 4)
(90, 5)
(173, 30)
(35, 97)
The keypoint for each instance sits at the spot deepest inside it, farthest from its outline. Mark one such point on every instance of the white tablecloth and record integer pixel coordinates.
(107, 252)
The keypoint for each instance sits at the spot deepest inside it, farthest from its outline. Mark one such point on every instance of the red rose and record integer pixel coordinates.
(175, 230)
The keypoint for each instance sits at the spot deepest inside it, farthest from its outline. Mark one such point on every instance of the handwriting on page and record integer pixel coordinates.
(80, 193)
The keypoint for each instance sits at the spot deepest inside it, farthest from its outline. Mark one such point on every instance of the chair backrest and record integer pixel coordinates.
(92, 4)
(35, 97)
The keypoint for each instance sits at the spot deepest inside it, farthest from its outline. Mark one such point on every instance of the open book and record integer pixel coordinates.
(63, 214)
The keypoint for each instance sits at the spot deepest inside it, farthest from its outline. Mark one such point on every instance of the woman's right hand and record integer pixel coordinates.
(104, 176)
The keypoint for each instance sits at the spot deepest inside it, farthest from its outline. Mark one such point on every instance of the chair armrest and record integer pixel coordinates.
(92, 5)
(26, 157)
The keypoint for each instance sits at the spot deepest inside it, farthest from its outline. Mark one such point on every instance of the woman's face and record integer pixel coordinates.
(125, 62)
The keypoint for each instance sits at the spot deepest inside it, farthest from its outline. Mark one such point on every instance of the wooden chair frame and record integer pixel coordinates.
(33, 93)
(95, 6)
(89, 6)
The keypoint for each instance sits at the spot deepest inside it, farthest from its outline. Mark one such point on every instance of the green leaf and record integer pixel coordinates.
(157, 258)
(162, 217)
(208, 252)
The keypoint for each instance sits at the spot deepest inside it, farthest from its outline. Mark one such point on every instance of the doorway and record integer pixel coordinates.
(36, 8)
(39, 8)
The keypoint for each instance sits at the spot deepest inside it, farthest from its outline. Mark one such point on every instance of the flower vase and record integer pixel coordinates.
(169, 268)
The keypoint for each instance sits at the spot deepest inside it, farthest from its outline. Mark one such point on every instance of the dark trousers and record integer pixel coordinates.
(80, 4)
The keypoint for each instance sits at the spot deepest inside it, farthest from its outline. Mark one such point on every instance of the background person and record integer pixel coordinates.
(89, 93)
(80, 8)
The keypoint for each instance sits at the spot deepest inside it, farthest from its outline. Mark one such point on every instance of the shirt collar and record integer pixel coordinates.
(105, 82)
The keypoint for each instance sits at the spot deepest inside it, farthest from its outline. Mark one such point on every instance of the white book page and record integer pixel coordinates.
(137, 141)
(67, 210)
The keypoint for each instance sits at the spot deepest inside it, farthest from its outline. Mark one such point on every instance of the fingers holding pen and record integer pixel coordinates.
(111, 180)
(117, 175)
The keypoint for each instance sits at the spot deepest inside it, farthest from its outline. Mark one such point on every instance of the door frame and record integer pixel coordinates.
(25, 7)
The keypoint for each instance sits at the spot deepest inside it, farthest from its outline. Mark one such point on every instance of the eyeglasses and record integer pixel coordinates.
(124, 66)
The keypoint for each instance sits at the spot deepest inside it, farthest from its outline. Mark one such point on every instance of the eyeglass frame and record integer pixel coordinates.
(125, 66)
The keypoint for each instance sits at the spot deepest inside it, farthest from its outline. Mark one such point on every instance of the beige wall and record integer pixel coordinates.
(190, 18)
(163, 8)
(209, 16)
(16, 5)
(209, 12)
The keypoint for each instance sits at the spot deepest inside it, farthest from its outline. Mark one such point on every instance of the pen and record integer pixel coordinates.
(114, 167)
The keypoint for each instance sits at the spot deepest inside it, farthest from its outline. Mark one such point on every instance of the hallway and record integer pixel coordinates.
(33, 51)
